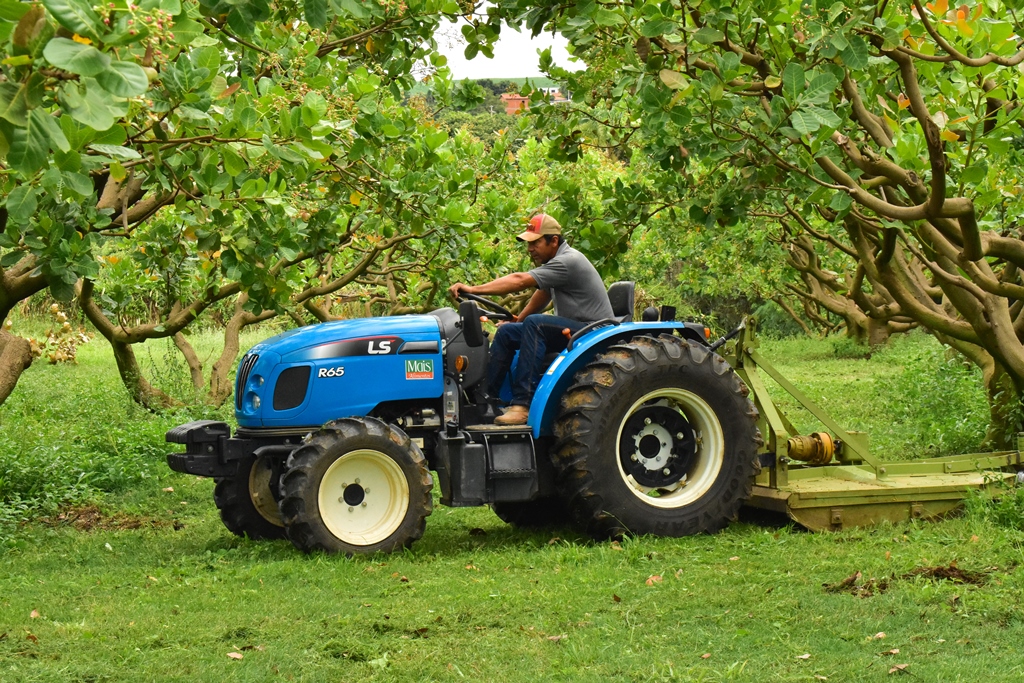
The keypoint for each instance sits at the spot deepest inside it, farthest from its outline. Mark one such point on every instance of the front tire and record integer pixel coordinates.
(248, 500)
(656, 436)
(357, 486)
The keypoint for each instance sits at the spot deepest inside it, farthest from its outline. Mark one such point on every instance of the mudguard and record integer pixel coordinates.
(559, 375)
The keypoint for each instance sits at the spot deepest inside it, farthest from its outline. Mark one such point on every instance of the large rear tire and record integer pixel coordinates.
(247, 501)
(357, 486)
(656, 436)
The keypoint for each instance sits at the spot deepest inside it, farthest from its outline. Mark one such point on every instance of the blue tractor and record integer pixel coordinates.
(636, 427)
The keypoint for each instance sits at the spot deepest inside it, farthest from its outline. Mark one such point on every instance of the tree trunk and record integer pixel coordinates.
(140, 390)
(15, 357)
(195, 366)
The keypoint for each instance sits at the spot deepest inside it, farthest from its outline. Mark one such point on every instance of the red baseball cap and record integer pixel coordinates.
(541, 224)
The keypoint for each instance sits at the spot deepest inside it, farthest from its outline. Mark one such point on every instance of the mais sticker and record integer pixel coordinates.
(419, 369)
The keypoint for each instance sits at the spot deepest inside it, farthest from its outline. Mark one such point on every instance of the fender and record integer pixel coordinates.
(559, 375)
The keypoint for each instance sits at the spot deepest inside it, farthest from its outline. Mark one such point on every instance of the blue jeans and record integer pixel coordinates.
(533, 338)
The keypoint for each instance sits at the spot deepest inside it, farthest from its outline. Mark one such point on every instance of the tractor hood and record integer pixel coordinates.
(314, 374)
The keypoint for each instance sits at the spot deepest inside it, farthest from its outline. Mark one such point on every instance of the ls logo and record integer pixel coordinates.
(381, 348)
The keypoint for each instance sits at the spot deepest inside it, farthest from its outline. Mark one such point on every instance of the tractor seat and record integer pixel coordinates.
(620, 296)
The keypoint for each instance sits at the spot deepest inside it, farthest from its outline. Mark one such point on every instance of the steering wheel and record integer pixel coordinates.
(496, 312)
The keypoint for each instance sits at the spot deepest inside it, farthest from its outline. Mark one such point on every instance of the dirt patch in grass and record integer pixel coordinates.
(950, 573)
(854, 584)
(91, 518)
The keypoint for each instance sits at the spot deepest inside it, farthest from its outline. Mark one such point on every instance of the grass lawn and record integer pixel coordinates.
(138, 580)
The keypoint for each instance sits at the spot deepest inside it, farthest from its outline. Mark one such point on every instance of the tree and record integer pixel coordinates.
(252, 124)
(894, 124)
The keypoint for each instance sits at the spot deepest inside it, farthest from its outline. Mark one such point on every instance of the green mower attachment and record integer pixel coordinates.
(829, 480)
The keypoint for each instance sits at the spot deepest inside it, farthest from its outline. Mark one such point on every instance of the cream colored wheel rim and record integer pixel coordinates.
(260, 475)
(710, 451)
(363, 497)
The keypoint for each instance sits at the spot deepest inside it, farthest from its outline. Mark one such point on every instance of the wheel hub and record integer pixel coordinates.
(657, 446)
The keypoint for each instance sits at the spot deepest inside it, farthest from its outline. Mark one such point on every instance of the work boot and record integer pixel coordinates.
(515, 415)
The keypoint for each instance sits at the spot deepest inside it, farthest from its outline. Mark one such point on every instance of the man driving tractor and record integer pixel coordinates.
(562, 275)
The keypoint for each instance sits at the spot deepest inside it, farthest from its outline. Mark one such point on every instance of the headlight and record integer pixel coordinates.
(255, 402)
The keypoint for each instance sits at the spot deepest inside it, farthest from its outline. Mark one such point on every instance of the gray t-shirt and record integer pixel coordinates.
(574, 285)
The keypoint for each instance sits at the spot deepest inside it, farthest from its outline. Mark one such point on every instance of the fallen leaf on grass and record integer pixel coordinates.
(421, 632)
(899, 668)
(153, 579)
(820, 677)
(34, 615)
(404, 580)
(251, 647)
(554, 540)
(469, 566)
(555, 639)
(888, 554)
(615, 545)
(169, 489)
(236, 655)
(616, 598)
(804, 656)
(705, 655)
(31, 636)
(651, 580)
(894, 651)
(734, 558)
(880, 635)
(974, 539)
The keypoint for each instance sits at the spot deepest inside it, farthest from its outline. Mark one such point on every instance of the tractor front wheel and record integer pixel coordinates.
(357, 486)
(656, 436)
(247, 501)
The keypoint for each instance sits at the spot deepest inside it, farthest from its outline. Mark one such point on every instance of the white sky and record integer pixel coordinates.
(515, 54)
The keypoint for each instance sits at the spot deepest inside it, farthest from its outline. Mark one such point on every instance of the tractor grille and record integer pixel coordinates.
(244, 368)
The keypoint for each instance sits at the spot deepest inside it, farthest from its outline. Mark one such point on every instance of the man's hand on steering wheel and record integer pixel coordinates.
(456, 290)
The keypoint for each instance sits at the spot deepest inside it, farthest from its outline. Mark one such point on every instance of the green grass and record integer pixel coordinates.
(154, 588)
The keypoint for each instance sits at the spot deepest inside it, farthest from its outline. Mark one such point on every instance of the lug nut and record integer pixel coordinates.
(350, 509)
(666, 471)
(363, 504)
(647, 420)
(357, 480)
(341, 500)
(633, 457)
(366, 490)
(679, 435)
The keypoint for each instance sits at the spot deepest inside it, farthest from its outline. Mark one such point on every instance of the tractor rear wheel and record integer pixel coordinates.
(656, 436)
(357, 486)
(247, 501)
(541, 513)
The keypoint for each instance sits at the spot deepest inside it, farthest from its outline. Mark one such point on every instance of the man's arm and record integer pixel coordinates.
(537, 303)
(507, 284)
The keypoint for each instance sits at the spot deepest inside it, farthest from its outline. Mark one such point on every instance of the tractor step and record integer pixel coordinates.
(499, 429)
(843, 497)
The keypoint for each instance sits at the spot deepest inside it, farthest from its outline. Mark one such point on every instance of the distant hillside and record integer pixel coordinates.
(424, 88)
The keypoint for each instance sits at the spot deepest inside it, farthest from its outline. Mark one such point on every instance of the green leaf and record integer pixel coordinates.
(14, 103)
(856, 55)
(12, 10)
(974, 174)
(607, 17)
(172, 7)
(825, 117)
(76, 16)
(316, 13)
(78, 183)
(234, 164)
(435, 139)
(21, 204)
(658, 27)
(355, 8)
(840, 201)
(186, 30)
(708, 35)
(124, 79)
(84, 60)
(820, 89)
(29, 146)
(673, 79)
(116, 151)
(804, 122)
(51, 127)
(792, 82)
(86, 105)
